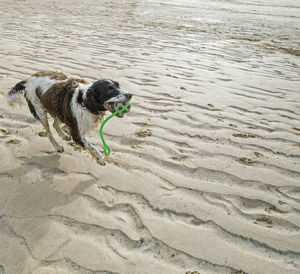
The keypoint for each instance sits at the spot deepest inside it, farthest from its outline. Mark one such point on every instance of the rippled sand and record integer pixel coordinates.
(205, 170)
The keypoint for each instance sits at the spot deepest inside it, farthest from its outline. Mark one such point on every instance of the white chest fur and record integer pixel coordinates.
(86, 121)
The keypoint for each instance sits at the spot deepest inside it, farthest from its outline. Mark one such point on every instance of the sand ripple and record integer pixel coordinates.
(205, 170)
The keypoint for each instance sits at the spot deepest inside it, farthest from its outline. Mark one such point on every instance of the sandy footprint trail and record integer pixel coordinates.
(205, 170)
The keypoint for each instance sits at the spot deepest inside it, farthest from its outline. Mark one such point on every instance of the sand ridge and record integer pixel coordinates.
(204, 172)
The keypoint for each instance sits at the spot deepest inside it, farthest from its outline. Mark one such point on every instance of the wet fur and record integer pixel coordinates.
(71, 101)
(56, 75)
(57, 100)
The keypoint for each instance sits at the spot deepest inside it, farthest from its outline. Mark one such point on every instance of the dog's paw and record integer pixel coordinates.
(67, 138)
(100, 161)
(60, 149)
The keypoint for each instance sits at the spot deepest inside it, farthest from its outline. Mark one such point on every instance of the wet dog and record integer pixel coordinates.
(71, 101)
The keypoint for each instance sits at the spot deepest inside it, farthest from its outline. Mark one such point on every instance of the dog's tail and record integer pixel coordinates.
(16, 92)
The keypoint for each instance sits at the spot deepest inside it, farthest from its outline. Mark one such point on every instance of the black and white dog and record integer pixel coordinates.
(71, 101)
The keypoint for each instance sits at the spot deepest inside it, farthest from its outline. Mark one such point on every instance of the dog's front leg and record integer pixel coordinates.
(94, 151)
(88, 146)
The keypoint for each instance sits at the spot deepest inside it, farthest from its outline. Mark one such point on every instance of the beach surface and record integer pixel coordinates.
(204, 173)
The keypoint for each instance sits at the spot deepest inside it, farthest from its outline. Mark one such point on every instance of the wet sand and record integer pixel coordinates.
(204, 173)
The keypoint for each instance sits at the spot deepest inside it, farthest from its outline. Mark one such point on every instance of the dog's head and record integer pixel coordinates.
(103, 94)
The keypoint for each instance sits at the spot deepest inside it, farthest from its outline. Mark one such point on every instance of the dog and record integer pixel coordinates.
(70, 101)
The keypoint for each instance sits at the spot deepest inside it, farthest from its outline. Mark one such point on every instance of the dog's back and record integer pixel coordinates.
(57, 99)
(42, 81)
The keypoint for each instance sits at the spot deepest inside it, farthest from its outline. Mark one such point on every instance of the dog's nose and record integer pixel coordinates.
(128, 96)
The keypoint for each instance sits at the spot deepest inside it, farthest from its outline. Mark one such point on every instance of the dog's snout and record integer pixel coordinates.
(128, 96)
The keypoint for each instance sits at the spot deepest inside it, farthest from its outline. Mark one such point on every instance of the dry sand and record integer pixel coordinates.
(205, 170)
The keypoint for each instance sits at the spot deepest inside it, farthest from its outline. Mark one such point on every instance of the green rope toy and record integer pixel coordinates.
(120, 108)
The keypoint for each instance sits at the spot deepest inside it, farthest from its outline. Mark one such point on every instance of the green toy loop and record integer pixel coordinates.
(120, 108)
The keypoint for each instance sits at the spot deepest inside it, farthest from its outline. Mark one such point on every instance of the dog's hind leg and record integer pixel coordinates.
(42, 117)
(61, 133)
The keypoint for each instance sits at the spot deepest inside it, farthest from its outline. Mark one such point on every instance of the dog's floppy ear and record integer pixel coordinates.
(94, 100)
(115, 83)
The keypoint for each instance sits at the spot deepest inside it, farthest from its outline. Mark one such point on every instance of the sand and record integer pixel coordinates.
(204, 174)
